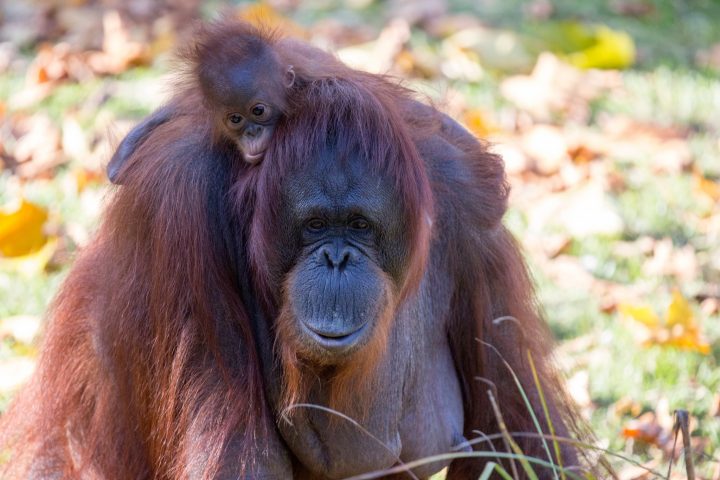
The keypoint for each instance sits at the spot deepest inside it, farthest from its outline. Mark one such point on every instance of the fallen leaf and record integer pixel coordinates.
(642, 314)
(567, 272)
(637, 472)
(74, 143)
(646, 429)
(379, 55)
(85, 176)
(589, 46)
(580, 212)
(611, 49)
(476, 120)
(626, 406)
(680, 329)
(23, 328)
(669, 260)
(21, 229)
(554, 86)
(264, 15)
(516, 161)
(33, 263)
(665, 147)
(37, 149)
(119, 51)
(707, 187)
(546, 145)
(578, 387)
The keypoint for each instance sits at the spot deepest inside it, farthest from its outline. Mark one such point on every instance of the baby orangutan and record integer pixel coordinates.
(244, 85)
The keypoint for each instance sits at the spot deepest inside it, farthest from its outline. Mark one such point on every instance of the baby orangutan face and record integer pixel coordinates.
(251, 128)
(248, 97)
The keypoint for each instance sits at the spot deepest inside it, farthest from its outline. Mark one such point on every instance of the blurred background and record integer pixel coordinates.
(607, 114)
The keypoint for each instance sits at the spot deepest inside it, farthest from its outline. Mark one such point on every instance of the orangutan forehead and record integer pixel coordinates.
(340, 183)
(242, 83)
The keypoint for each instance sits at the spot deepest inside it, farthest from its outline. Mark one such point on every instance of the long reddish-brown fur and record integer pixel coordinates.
(149, 352)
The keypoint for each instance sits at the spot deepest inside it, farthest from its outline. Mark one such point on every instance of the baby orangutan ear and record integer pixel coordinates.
(289, 77)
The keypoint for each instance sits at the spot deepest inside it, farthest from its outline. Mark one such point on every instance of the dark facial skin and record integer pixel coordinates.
(248, 99)
(336, 231)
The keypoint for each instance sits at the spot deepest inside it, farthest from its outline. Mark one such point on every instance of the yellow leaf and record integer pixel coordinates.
(679, 312)
(679, 330)
(707, 187)
(476, 121)
(21, 229)
(610, 49)
(642, 314)
(265, 16)
(32, 263)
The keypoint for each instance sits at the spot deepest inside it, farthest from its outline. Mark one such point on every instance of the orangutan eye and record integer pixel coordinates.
(359, 223)
(315, 224)
(261, 112)
(235, 118)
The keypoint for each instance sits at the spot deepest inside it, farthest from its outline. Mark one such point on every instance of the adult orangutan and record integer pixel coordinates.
(361, 267)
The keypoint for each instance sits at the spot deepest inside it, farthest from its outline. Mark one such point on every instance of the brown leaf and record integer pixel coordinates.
(666, 147)
(378, 56)
(119, 51)
(38, 146)
(646, 429)
(626, 406)
(581, 212)
(557, 87)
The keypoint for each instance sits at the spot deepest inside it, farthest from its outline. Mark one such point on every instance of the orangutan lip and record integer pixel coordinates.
(335, 342)
(254, 158)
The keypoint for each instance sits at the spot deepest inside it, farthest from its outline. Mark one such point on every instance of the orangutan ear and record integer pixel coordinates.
(132, 141)
(289, 76)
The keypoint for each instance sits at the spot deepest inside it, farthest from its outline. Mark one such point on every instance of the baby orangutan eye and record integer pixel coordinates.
(261, 112)
(235, 118)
